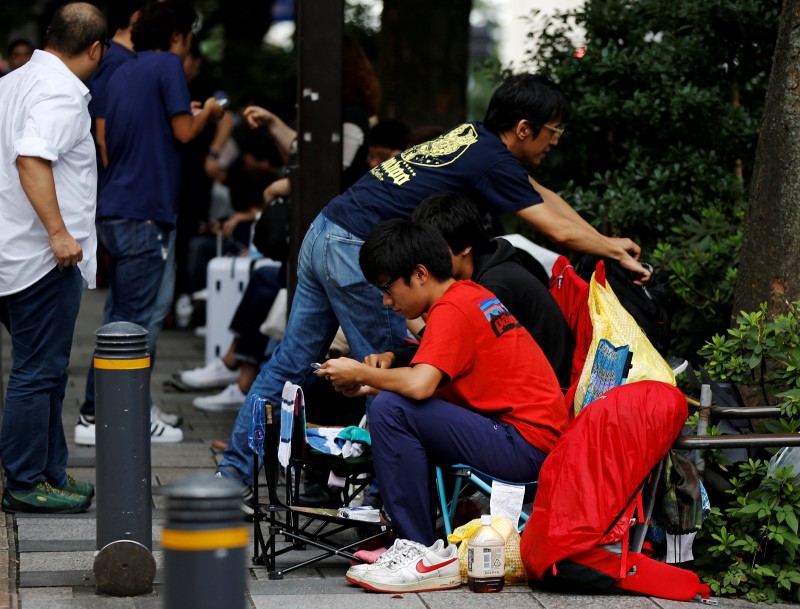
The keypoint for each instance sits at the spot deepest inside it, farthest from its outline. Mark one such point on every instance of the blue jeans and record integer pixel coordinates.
(166, 294)
(331, 291)
(410, 437)
(137, 252)
(41, 321)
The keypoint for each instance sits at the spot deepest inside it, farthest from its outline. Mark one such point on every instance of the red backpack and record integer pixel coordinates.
(577, 537)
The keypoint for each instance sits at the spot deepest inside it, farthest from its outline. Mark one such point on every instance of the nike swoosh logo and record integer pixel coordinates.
(423, 568)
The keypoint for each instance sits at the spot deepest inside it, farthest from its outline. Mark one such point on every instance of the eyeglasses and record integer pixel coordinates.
(557, 131)
(385, 287)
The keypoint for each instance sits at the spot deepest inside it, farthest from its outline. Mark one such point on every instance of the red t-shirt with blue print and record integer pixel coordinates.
(494, 365)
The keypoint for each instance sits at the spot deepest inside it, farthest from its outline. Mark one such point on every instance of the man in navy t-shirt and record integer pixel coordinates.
(121, 17)
(148, 114)
(486, 160)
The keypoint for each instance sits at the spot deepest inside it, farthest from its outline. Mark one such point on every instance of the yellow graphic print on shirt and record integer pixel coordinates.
(437, 153)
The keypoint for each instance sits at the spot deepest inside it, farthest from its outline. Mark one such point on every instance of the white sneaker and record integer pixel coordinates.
(161, 433)
(413, 568)
(229, 399)
(215, 374)
(84, 431)
(356, 572)
(183, 311)
(173, 420)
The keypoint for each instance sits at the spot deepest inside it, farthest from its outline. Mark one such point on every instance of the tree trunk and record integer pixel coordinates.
(768, 268)
(424, 52)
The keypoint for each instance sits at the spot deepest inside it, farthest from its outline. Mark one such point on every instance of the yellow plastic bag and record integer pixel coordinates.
(610, 320)
(515, 571)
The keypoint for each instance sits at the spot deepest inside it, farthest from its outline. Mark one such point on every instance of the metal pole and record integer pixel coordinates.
(702, 426)
(124, 565)
(204, 544)
(317, 177)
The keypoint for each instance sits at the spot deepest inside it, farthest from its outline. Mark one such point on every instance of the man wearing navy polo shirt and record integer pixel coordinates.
(148, 115)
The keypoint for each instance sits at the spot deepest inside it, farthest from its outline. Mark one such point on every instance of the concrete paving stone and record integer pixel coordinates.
(65, 598)
(56, 561)
(192, 454)
(151, 601)
(728, 603)
(49, 528)
(512, 597)
(44, 562)
(40, 579)
(551, 600)
(337, 601)
(76, 579)
(58, 545)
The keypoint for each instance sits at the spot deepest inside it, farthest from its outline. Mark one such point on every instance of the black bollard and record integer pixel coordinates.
(124, 565)
(204, 544)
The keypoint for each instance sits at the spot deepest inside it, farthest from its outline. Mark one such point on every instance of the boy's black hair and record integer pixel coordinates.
(395, 247)
(457, 218)
(526, 96)
(74, 28)
(159, 21)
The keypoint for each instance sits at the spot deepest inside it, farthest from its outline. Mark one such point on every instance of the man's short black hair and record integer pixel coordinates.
(389, 133)
(18, 42)
(526, 97)
(158, 22)
(74, 28)
(119, 13)
(457, 218)
(395, 247)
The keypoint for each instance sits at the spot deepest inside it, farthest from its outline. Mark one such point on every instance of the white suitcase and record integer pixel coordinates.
(227, 278)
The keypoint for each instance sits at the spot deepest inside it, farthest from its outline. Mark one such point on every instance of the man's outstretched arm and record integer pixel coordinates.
(557, 221)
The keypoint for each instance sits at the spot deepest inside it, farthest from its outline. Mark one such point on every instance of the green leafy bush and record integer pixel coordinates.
(749, 547)
(764, 352)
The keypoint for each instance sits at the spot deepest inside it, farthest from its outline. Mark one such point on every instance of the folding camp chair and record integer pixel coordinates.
(300, 526)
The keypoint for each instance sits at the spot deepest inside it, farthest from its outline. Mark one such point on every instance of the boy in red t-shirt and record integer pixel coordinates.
(500, 410)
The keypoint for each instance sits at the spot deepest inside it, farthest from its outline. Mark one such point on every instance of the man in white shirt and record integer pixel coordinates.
(48, 191)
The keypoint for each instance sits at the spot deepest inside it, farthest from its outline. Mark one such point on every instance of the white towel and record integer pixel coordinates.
(291, 393)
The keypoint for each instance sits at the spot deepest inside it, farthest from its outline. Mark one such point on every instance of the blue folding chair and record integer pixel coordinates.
(483, 482)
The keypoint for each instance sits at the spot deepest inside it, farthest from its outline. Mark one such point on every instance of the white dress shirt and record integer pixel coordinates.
(44, 113)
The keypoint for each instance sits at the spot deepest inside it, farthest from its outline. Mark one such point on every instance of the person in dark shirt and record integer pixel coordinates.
(149, 112)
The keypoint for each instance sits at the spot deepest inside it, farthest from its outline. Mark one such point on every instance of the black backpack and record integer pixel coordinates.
(647, 304)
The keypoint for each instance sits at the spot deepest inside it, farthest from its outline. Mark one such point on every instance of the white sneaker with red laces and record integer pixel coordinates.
(411, 568)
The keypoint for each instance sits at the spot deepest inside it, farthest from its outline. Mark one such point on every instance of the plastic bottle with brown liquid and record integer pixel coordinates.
(486, 563)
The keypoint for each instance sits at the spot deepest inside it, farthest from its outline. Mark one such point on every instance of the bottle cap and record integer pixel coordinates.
(486, 520)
